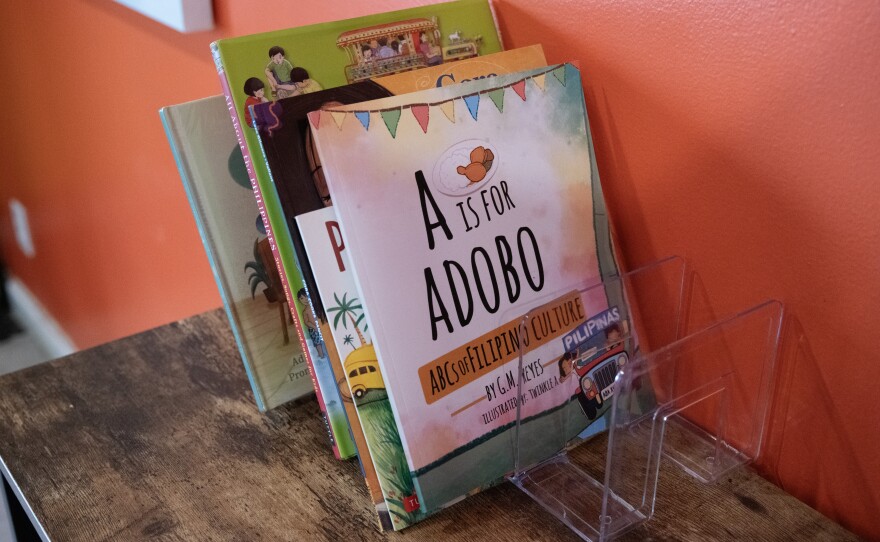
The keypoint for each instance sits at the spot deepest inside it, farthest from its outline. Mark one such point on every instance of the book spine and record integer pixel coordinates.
(258, 194)
(170, 124)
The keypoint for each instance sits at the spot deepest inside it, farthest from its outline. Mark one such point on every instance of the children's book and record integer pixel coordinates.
(213, 172)
(461, 208)
(274, 65)
(288, 152)
(299, 186)
(381, 452)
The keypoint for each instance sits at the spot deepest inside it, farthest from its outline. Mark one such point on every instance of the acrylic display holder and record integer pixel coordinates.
(689, 387)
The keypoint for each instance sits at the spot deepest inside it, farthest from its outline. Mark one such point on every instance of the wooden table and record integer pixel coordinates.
(156, 437)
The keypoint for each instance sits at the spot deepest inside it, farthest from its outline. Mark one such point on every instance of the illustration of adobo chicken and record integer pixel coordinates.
(481, 162)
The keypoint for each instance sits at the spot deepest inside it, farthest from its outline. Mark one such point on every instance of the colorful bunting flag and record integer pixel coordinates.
(473, 104)
(520, 88)
(539, 80)
(559, 73)
(420, 112)
(391, 118)
(497, 97)
(364, 117)
(338, 118)
(448, 109)
(315, 119)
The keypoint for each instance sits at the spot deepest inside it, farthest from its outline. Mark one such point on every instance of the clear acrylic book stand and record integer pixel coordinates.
(688, 386)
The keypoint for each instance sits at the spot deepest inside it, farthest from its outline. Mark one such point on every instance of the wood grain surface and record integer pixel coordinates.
(157, 437)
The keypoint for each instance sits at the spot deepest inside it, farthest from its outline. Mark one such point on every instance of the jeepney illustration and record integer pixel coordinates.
(401, 46)
(595, 362)
(362, 369)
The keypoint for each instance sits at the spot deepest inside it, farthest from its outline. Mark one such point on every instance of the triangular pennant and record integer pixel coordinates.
(473, 104)
(338, 118)
(559, 73)
(315, 119)
(520, 88)
(421, 113)
(497, 97)
(364, 117)
(539, 80)
(448, 109)
(391, 118)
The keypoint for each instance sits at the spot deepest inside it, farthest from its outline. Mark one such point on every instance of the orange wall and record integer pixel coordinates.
(743, 138)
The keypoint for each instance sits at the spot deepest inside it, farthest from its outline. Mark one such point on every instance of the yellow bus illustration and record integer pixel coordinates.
(363, 372)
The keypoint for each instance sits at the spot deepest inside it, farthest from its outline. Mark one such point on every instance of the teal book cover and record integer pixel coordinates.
(216, 181)
(263, 67)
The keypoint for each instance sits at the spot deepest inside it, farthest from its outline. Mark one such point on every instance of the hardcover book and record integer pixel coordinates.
(273, 65)
(285, 140)
(213, 172)
(483, 202)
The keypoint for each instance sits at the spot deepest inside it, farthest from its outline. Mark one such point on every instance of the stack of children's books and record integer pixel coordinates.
(381, 199)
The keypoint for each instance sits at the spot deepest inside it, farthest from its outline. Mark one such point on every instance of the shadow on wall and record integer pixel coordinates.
(805, 417)
(806, 451)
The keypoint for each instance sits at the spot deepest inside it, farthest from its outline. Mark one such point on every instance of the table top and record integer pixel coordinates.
(157, 437)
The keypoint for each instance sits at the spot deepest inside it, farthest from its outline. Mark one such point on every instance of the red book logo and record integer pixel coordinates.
(411, 503)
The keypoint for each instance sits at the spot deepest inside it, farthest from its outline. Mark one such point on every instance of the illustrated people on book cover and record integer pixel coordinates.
(280, 71)
(303, 83)
(367, 53)
(403, 45)
(384, 50)
(431, 51)
(256, 94)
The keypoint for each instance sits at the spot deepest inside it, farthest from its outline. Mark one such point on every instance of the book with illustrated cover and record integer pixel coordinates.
(382, 456)
(285, 141)
(483, 202)
(213, 172)
(273, 65)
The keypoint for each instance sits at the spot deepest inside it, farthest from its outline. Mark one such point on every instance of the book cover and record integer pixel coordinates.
(299, 186)
(483, 203)
(288, 152)
(279, 64)
(360, 379)
(213, 172)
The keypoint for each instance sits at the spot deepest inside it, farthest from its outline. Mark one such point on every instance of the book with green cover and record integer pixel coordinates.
(284, 63)
(213, 172)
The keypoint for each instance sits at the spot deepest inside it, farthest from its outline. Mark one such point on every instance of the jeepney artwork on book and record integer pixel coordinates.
(260, 68)
(402, 46)
(593, 353)
(494, 207)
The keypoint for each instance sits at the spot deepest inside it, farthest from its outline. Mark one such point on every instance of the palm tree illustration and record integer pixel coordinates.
(377, 420)
(347, 311)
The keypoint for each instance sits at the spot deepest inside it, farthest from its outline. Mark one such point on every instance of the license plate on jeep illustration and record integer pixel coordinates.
(608, 392)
